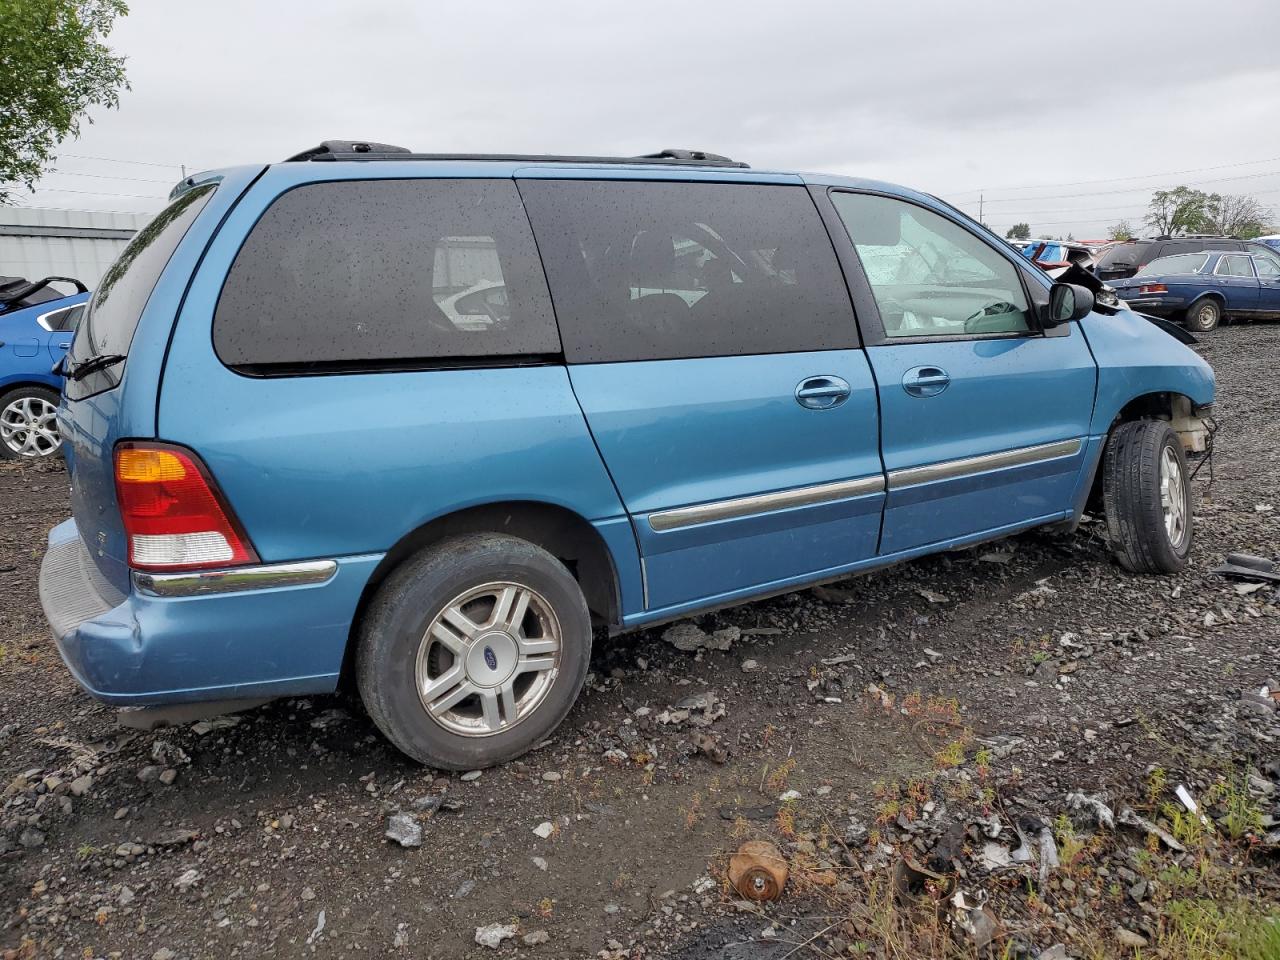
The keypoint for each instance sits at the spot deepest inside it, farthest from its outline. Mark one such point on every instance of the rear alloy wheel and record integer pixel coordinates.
(473, 651)
(1147, 497)
(28, 424)
(1204, 315)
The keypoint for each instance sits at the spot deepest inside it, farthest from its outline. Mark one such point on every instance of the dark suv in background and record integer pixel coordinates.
(1122, 260)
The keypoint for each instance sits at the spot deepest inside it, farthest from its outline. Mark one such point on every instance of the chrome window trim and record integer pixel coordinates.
(43, 319)
(198, 583)
(952, 469)
(763, 503)
(1218, 272)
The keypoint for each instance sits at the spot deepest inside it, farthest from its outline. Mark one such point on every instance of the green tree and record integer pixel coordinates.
(1019, 231)
(1120, 231)
(1180, 210)
(53, 68)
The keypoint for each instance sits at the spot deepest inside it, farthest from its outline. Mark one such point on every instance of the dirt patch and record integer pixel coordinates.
(1071, 674)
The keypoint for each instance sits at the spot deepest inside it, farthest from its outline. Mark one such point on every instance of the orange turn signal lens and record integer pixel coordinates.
(140, 465)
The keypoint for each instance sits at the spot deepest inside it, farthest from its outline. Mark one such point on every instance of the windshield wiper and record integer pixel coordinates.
(94, 364)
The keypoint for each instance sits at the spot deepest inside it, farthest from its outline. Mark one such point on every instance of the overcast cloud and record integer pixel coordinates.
(950, 97)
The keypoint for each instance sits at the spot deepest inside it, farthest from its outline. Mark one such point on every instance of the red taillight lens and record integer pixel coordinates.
(1153, 288)
(174, 515)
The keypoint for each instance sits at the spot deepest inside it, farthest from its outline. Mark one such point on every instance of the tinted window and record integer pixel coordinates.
(930, 276)
(1181, 263)
(112, 314)
(1240, 266)
(1123, 255)
(651, 271)
(378, 270)
(65, 319)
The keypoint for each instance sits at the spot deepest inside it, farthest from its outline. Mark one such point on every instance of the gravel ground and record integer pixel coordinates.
(904, 709)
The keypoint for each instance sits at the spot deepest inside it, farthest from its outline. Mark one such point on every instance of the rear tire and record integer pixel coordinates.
(1147, 497)
(473, 651)
(1203, 316)
(28, 430)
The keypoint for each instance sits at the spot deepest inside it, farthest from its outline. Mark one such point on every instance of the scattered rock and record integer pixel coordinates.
(31, 838)
(471, 776)
(688, 636)
(545, 829)
(535, 937)
(494, 934)
(150, 773)
(81, 785)
(404, 829)
(1129, 939)
(187, 879)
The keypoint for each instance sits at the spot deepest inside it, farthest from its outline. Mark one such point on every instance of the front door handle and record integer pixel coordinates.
(925, 381)
(822, 393)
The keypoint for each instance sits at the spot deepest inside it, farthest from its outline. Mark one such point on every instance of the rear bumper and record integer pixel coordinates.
(238, 638)
(1160, 306)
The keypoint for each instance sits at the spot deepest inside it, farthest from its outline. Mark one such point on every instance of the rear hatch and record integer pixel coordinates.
(1121, 260)
(113, 368)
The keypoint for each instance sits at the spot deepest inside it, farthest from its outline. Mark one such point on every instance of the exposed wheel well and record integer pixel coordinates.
(562, 533)
(1149, 406)
(26, 384)
(1210, 295)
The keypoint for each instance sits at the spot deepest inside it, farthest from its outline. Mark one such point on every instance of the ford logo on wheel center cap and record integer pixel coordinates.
(490, 658)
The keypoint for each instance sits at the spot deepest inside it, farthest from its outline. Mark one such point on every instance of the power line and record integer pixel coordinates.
(141, 163)
(1106, 193)
(1145, 176)
(102, 193)
(105, 176)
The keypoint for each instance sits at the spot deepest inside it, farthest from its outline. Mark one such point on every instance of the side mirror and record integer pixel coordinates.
(1067, 302)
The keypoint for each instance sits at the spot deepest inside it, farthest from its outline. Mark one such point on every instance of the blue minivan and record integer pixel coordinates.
(430, 422)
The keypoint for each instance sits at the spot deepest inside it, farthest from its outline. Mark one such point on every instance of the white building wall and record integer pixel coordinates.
(69, 243)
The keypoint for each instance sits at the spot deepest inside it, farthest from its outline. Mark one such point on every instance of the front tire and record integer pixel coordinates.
(1147, 497)
(474, 651)
(1204, 315)
(28, 429)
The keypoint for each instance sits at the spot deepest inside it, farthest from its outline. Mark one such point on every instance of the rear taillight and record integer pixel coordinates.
(1153, 288)
(174, 515)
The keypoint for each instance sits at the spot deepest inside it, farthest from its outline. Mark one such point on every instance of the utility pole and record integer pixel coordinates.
(981, 197)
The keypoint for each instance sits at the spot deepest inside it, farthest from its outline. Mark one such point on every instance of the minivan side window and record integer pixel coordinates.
(386, 271)
(665, 270)
(930, 276)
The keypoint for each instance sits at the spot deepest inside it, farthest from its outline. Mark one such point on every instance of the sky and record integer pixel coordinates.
(1062, 115)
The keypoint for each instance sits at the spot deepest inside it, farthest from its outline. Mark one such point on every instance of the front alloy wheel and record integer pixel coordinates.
(1146, 497)
(28, 424)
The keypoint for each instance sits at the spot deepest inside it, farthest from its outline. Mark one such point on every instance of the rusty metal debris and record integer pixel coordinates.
(758, 871)
(912, 883)
(971, 920)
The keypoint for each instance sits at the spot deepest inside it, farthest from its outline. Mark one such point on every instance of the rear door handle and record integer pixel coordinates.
(822, 393)
(925, 381)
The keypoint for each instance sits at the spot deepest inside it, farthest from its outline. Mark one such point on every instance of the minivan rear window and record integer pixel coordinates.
(660, 270)
(1122, 255)
(386, 272)
(113, 312)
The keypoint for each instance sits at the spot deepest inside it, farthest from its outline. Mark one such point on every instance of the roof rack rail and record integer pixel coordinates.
(346, 149)
(368, 150)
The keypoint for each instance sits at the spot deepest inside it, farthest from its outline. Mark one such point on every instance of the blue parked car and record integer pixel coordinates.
(1202, 288)
(36, 325)
(701, 384)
